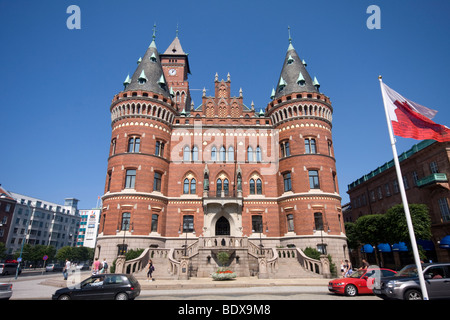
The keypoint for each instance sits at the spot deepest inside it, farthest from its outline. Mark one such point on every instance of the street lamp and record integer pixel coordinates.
(23, 242)
(260, 229)
(123, 250)
(324, 251)
(185, 241)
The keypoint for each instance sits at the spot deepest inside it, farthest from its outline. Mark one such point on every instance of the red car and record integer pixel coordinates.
(359, 282)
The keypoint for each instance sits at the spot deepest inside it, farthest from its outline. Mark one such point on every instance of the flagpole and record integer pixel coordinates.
(404, 199)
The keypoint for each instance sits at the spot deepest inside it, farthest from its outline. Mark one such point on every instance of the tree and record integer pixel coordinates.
(371, 229)
(397, 228)
(352, 236)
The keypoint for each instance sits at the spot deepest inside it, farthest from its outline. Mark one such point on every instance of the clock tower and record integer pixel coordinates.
(175, 65)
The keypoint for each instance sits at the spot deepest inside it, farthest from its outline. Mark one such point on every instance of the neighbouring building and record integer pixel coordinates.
(7, 205)
(36, 221)
(87, 235)
(220, 175)
(425, 169)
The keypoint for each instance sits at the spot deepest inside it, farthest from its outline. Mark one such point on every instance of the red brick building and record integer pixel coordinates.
(425, 169)
(179, 173)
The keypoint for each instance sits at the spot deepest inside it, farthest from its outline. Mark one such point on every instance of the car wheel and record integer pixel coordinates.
(64, 297)
(413, 295)
(351, 290)
(121, 296)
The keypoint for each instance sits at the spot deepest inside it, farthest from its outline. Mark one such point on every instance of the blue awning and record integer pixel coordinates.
(427, 245)
(401, 246)
(367, 248)
(384, 247)
(445, 242)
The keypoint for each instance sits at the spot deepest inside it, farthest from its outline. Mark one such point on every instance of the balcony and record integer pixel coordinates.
(222, 198)
(434, 179)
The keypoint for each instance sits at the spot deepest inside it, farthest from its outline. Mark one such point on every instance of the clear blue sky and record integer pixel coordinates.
(56, 84)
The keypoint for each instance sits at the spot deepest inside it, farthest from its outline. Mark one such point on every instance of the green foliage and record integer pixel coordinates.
(75, 254)
(312, 253)
(352, 236)
(370, 228)
(133, 254)
(396, 229)
(223, 257)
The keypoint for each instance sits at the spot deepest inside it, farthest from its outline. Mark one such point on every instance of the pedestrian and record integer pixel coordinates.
(96, 266)
(347, 268)
(365, 265)
(104, 266)
(150, 269)
(66, 269)
(342, 268)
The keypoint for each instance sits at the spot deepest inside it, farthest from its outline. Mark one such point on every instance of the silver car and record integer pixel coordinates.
(405, 284)
(5, 291)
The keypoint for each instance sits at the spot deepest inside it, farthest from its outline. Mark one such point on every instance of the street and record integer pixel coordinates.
(30, 287)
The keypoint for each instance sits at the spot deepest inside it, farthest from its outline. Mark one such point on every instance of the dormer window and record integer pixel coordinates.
(290, 60)
(281, 84)
(153, 57)
(301, 80)
(142, 78)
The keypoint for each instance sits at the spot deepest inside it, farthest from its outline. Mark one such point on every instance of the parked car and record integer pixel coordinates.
(359, 282)
(53, 267)
(102, 286)
(9, 268)
(405, 285)
(82, 266)
(5, 291)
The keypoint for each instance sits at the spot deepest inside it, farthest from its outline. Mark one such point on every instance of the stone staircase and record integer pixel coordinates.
(273, 263)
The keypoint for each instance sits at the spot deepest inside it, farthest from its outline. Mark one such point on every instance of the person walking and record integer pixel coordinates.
(66, 269)
(104, 266)
(95, 266)
(150, 269)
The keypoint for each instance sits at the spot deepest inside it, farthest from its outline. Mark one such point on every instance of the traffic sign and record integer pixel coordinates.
(45, 257)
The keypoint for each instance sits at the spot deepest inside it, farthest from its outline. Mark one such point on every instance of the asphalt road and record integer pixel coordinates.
(30, 288)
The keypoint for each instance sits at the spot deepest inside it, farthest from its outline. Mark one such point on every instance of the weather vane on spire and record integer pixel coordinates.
(289, 31)
(154, 31)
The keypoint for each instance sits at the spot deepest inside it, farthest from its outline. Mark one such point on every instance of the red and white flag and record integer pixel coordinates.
(411, 120)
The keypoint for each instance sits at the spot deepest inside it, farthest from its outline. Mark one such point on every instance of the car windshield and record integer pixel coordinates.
(408, 271)
(357, 274)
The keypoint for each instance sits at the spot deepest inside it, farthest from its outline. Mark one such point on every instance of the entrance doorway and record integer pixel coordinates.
(222, 227)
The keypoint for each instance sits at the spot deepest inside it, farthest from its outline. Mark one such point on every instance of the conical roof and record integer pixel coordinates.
(149, 75)
(175, 48)
(294, 77)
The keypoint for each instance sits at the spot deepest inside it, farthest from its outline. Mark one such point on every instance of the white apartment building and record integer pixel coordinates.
(36, 221)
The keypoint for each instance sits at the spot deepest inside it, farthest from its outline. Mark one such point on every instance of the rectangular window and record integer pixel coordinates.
(314, 179)
(310, 146)
(157, 182)
(434, 167)
(290, 222)
(443, 206)
(188, 223)
(130, 179)
(257, 225)
(154, 223)
(287, 181)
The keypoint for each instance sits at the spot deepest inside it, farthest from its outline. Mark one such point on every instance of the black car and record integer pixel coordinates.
(100, 287)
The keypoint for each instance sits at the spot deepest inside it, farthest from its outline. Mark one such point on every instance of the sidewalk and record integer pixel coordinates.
(201, 283)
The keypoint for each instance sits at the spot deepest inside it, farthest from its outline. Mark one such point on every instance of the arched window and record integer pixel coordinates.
(310, 145)
(223, 153)
(218, 187)
(252, 186)
(258, 186)
(189, 186)
(258, 154)
(225, 187)
(195, 153)
(134, 144)
(250, 154)
(213, 154)
(255, 185)
(230, 153)
(186, 186)
(187, 154)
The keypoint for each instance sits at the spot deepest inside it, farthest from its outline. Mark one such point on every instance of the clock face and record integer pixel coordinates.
(172, 72)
